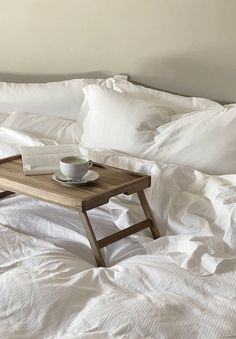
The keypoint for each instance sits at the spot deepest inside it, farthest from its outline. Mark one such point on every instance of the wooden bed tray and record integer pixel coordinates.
(112, 181)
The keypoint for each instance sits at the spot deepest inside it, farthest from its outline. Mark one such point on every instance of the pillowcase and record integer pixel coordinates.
(205, 141)
(179, 104)
(230, 105)
(120, 122)
(109, 83)
(60, 99)
(43, 127)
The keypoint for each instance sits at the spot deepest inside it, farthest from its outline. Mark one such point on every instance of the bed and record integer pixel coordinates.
(182, 285)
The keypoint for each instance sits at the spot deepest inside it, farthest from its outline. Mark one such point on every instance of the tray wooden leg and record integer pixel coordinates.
(96, 245)
(92, 239)
(148, 214)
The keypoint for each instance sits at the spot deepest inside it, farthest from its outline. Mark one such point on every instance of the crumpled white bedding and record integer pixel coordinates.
(50, 287)
(196, 213)
(11, 140)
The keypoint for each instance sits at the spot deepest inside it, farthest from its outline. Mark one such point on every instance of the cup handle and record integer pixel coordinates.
(90, 163)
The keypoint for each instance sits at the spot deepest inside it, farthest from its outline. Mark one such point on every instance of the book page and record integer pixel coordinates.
(45, 159)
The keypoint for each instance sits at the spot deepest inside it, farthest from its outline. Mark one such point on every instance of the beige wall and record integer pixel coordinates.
(184, 46)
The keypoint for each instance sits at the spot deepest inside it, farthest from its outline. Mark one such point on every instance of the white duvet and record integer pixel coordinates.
(182, 285)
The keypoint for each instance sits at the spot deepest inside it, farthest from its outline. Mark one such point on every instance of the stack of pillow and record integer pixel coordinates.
(46, 110)
(117, 114)
(160, 126)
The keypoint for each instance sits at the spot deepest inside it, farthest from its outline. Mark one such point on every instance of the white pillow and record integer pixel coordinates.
(61, 99)
(179, 104)
(205, 141)
(44, 127)
(117, 121)
(109, 83)
(233, 105)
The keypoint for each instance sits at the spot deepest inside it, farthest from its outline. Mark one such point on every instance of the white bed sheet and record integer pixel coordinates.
(11, 140)
(50, 289)
(182, 285)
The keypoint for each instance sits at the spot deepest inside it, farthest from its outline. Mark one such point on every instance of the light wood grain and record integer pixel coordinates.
(13, 157)
(124, 233)
(148, 214)
(92, 239)
(112, 181)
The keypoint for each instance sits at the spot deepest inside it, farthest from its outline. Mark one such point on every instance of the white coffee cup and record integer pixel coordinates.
(74, 167)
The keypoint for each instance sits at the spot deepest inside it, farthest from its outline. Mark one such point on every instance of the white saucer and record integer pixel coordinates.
(88, 177)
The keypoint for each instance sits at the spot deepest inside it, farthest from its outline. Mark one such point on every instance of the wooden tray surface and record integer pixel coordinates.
(112, 181)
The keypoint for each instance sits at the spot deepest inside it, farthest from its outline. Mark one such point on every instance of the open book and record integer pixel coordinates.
(45, 159)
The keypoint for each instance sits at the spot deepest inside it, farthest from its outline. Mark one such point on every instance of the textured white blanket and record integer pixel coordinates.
(182, 285)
